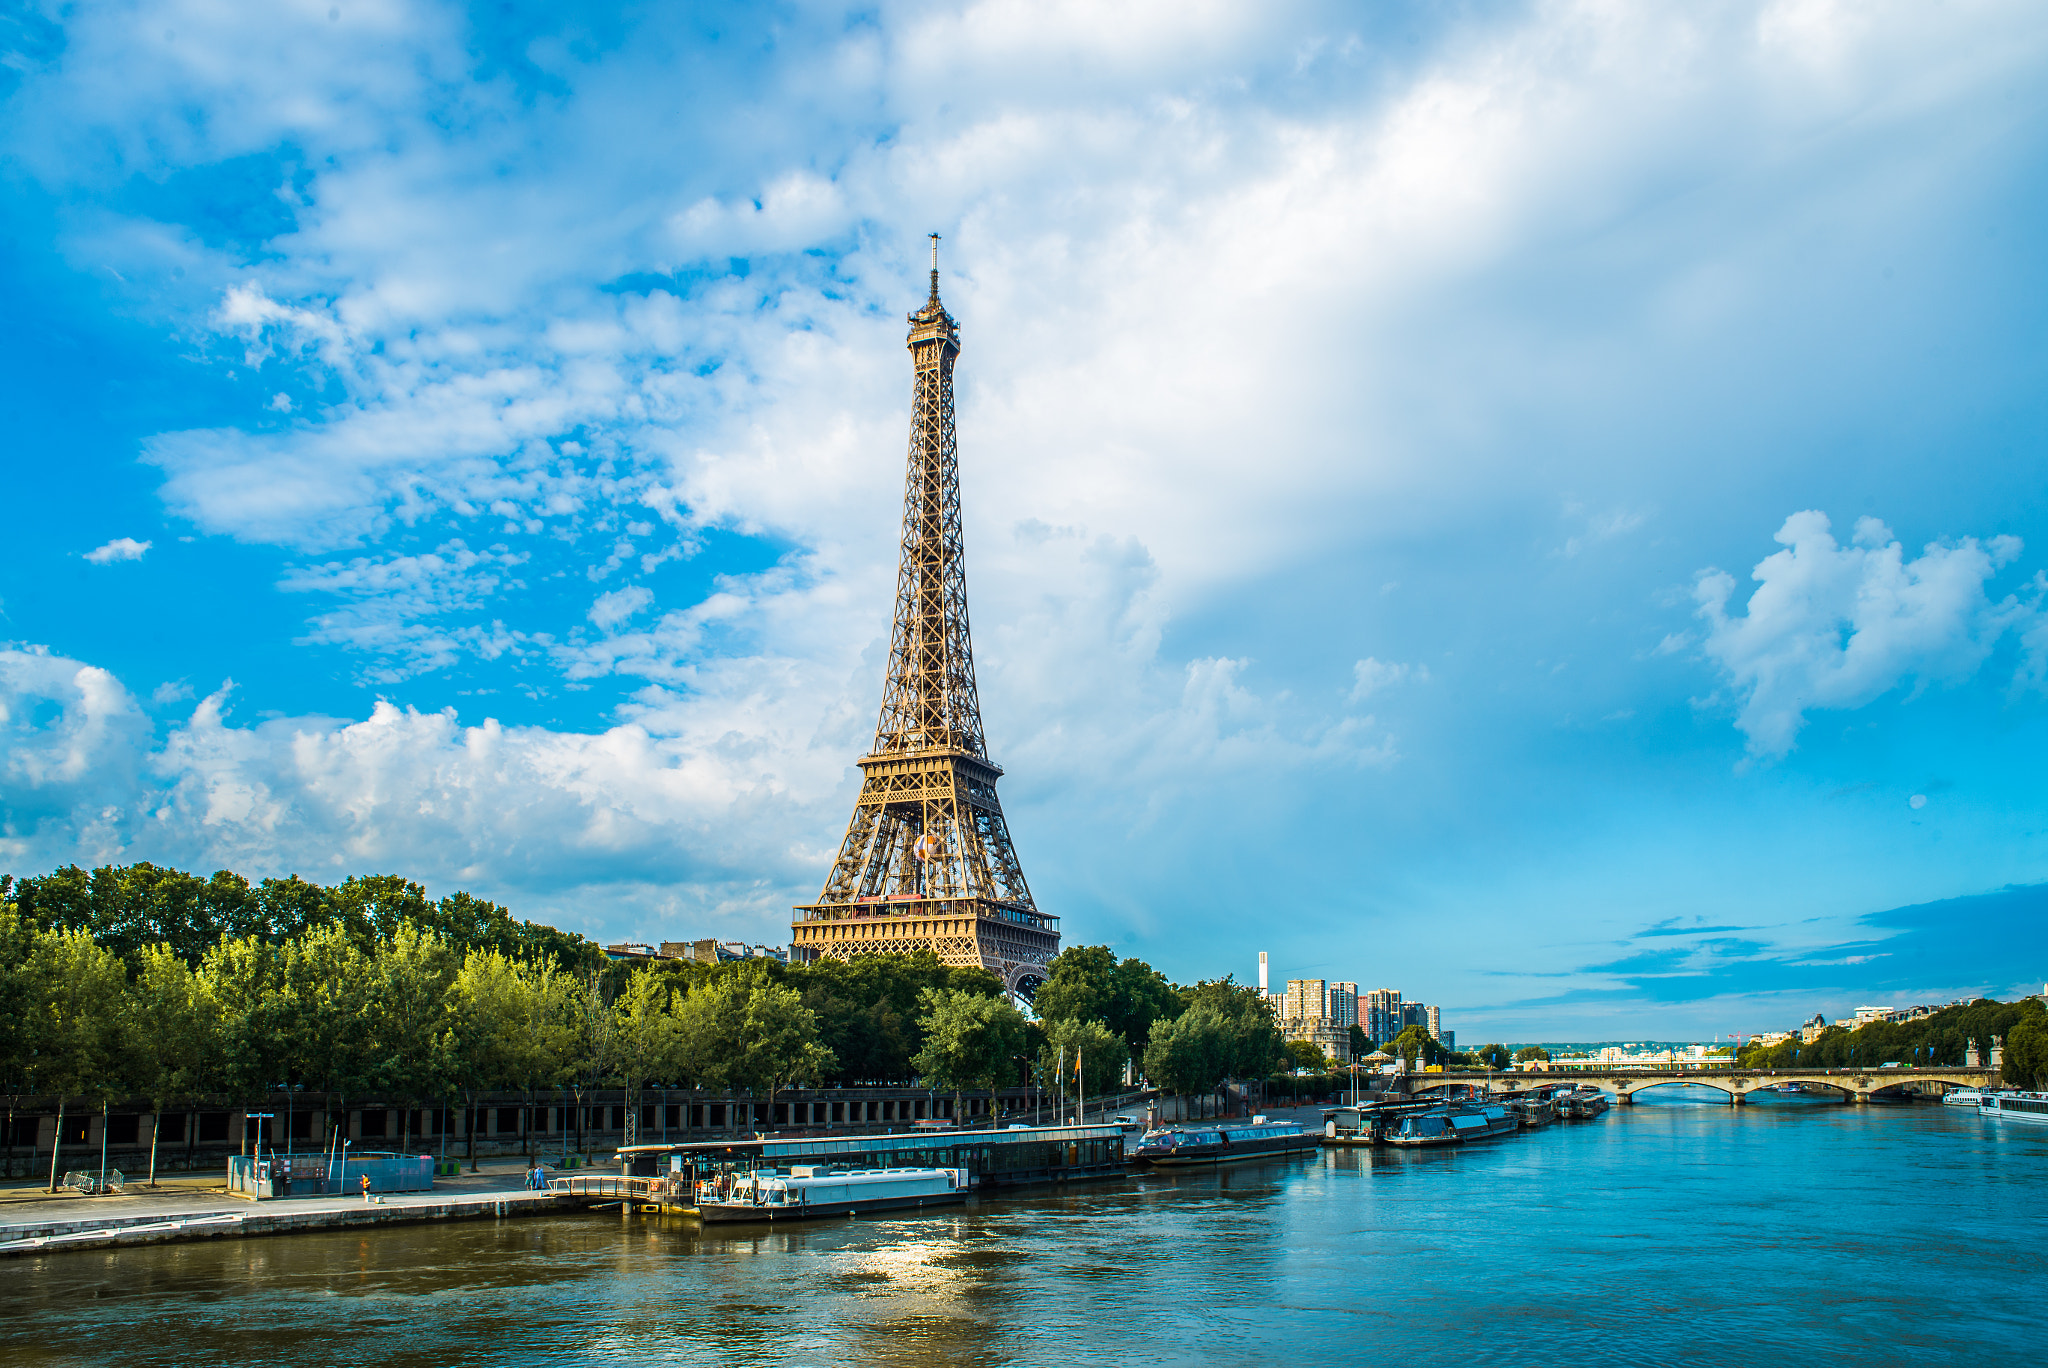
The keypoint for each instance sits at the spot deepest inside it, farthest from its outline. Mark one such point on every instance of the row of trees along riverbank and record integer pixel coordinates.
(142, 982)
(1942, 1038)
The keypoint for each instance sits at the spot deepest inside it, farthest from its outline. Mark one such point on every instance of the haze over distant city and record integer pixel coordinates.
(1536, 506)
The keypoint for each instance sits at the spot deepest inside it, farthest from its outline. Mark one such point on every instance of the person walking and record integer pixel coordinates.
(366, 1189)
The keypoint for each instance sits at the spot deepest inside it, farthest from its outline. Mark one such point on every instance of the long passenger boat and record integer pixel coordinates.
(1224, 1142)
(684, 1177)
(2030, 1107)
(810, 1192)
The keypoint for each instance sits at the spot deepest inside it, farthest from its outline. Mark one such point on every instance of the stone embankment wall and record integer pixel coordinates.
(198, 1136)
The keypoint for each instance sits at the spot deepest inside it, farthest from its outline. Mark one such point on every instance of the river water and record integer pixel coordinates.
(1792, 1231)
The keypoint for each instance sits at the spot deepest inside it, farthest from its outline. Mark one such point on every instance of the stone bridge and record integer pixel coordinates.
(1855, 1085)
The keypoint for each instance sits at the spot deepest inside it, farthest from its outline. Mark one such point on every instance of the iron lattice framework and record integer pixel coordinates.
(927, 861)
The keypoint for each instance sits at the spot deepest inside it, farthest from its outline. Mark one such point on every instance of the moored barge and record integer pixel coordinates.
(674, 1176)
(1224, 1142)
(1453, 1123)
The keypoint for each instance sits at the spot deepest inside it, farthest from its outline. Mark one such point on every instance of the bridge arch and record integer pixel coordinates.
(1725, 1086)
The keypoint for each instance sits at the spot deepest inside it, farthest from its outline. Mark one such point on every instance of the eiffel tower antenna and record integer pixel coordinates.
(927, 862)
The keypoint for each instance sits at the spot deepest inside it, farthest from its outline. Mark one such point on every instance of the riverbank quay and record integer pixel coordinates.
(39, 1223)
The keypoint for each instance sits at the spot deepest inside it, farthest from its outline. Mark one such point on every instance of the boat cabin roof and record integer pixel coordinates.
(853, 1146)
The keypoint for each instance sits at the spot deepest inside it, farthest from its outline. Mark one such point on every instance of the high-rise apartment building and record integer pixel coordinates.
(1304, 1000)
(1342, 1005)
(1435, 1023)
(1379, 1012)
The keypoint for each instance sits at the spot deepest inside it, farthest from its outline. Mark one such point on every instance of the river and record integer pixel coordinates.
(1792, 1231)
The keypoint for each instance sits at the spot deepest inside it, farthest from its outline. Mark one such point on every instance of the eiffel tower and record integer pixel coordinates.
(927, 862)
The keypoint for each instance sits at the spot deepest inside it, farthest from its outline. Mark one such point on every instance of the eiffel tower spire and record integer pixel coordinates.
(927, 861)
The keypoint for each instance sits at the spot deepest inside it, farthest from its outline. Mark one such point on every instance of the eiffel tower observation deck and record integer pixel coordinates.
(927, 862)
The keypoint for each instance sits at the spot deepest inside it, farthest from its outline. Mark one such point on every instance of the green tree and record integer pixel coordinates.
(2023, 1062)
(1495, 1056)
(411, 974)
(590, 1059)
(489, 1031)
(1257, 1047)
(647, 1041)
(170, 1036)
(1090, 1047)
(1529, 1052)
(1416, 1044)
(80, 1007)
(969, 1041)
(240, 979)
(779, 1041)
(322, 1015)
(1361, 1043)
(20, 1014)
(547, 1024)
(710, 1023)
(1089, 983)
(1306, 1054)
(868, 1006)
(1193, 1053)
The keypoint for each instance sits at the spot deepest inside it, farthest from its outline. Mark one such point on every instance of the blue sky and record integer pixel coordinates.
(1539, 506)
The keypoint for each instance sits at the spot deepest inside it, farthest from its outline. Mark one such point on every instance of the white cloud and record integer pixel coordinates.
(1833, 626)
(119, 549)
(72, 742)
(607, 611)
(1369, 676)
(706, 811)
(392, 606)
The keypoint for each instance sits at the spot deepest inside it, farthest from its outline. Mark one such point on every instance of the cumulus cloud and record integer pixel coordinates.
(72, 746)
(1833, 626)
(609, 610)
(704, 811)
(119, 549)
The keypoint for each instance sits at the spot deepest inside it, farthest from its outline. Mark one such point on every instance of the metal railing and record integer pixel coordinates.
(622, 1186)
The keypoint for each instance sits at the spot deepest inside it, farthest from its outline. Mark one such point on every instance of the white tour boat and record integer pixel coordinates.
(2031, 1107)
(808, 1192)
(1962, 1097)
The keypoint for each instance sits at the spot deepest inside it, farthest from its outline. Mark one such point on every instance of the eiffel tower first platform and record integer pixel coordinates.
(927, 862)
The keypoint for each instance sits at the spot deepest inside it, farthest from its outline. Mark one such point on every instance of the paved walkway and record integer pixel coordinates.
(194, 1206)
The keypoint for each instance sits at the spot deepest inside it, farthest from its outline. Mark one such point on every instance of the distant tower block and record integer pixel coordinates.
(927, 862)
(1262, 972)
